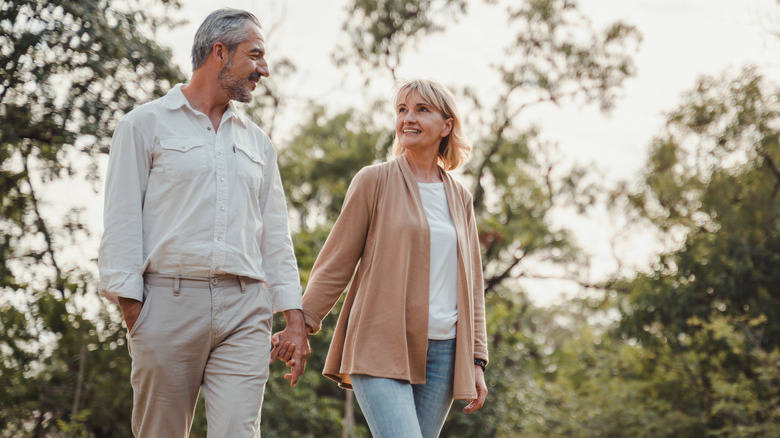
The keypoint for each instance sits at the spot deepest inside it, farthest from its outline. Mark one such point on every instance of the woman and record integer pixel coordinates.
(411, 335)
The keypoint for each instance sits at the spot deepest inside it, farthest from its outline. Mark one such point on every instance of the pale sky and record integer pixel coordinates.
(682, 40)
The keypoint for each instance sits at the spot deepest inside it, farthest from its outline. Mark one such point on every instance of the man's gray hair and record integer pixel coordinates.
(223, 25)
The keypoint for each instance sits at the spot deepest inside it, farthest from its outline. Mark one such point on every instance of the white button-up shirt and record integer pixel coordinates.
(182, 199)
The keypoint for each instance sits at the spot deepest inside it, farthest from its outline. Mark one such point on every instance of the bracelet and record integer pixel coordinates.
(481, 364)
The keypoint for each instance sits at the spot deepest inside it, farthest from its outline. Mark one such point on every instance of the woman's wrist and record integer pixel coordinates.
(482, 364)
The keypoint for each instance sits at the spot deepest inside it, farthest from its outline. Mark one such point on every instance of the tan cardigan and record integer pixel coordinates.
(382, 330)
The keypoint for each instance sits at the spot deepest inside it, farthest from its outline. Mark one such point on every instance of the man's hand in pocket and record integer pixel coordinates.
(130, 310)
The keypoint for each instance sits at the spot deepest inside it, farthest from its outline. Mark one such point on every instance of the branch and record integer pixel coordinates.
(609, 285)
(495, 280)
(774, 170)
(478, 190)
(39, 220)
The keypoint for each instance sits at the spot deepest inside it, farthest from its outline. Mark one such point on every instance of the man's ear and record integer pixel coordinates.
(220, 52)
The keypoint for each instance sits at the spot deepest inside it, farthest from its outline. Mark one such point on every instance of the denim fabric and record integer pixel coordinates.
(396, 408)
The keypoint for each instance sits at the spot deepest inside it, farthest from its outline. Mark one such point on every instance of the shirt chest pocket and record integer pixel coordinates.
(249, 166)
(183, 158)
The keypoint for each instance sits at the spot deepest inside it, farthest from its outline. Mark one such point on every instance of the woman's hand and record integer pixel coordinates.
(291, 345)
(479, 383)
(282, 352)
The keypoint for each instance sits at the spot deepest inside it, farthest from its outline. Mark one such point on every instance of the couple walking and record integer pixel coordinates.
(197, 252)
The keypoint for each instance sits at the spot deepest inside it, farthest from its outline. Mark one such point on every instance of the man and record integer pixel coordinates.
(196, 245)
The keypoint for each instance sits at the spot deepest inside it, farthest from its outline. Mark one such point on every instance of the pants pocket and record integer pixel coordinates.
(144, 311)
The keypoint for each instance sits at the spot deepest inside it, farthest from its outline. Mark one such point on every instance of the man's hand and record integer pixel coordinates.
(130, 310)
(291, 345)
(479, 383)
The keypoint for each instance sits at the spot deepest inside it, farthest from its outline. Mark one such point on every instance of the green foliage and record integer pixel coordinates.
(320, 161)
(710, 308)
(557, 54)
(69, 70)
(59, 370)
(380, 30)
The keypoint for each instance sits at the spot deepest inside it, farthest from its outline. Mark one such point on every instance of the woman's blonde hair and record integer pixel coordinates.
(455, 148)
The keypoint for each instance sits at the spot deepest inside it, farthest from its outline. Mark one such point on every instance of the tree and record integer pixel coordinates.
(710, 306)
(381, 30)
(70, 69)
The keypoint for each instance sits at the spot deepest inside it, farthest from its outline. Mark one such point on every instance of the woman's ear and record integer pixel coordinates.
(447, 127)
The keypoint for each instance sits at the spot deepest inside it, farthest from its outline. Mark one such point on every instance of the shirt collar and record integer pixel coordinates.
(234, 113)
(175, 99)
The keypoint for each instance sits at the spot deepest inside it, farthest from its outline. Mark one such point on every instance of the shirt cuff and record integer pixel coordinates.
(286, 297)
(122, 284)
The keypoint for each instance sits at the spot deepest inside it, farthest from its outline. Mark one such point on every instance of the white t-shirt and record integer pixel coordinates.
(443, 300)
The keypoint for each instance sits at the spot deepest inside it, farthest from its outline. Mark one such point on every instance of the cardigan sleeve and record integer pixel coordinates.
(343, 248)
(478, 287)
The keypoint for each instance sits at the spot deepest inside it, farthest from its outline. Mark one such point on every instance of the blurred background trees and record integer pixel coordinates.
(688, 347)
(70, 69)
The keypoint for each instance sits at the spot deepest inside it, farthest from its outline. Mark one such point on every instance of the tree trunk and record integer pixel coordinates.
(349, 417)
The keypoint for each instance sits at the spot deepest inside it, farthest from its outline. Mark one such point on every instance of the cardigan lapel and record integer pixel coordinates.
(411, 185)
(457, 211)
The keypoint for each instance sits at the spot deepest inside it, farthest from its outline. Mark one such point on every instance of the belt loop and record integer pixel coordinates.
(176, 284)
(242, 283)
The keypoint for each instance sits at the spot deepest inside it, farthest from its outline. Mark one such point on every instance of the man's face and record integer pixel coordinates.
(245, 67)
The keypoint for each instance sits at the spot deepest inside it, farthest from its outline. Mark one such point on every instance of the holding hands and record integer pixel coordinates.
(291, 345)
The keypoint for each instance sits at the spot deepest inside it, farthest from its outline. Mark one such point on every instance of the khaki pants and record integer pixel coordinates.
(211, 335)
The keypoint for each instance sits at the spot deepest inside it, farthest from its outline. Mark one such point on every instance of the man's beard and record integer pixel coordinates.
(235, 87)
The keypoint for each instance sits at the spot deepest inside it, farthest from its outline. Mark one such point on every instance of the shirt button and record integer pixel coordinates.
(222, 208)
(208, 128)
(220, 152)
(219, 239)
(222, 180)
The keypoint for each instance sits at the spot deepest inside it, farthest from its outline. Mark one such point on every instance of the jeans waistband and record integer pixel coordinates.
(180, 281)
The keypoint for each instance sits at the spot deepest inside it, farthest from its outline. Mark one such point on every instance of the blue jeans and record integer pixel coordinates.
(396, 408)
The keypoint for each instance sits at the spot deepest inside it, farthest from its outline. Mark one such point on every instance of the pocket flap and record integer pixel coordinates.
(180, 144)
(252, 155)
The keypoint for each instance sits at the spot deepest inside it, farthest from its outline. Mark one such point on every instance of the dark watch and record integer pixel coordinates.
(481, 364)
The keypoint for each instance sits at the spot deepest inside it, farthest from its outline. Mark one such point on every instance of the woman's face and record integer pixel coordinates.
(418, 124)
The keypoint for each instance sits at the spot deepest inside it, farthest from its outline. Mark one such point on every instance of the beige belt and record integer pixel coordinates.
(178, 281)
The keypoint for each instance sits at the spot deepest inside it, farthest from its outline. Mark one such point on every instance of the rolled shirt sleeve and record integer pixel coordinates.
(120, 256)
(276, 247)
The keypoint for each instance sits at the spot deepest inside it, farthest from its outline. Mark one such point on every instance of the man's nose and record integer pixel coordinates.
(262, 68)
